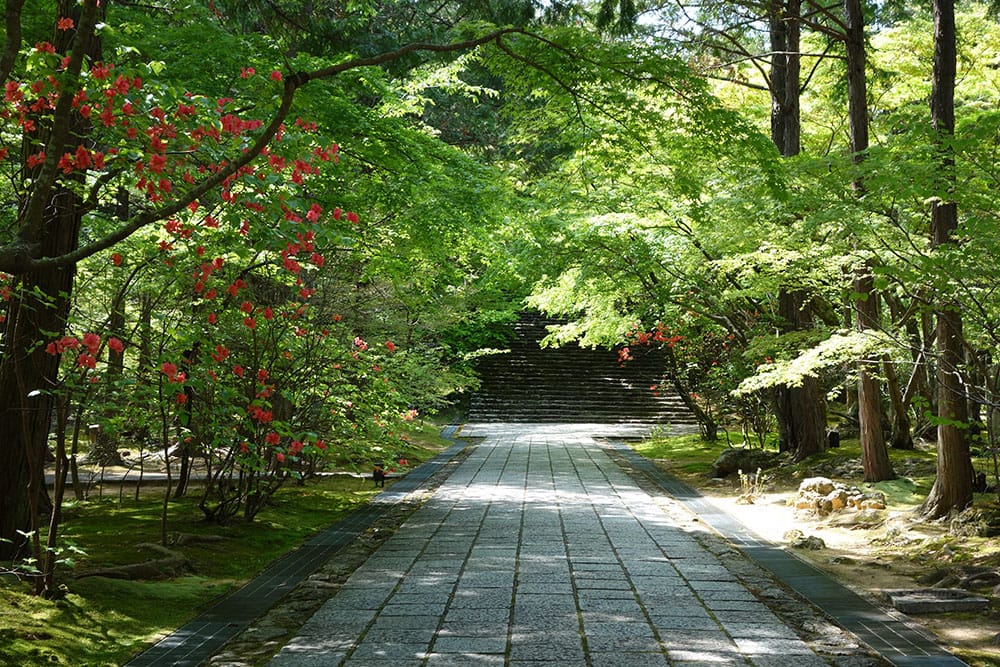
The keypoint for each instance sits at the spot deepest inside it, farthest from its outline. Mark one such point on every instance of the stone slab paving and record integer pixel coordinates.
(201, 638)
(892, 635)
(540, 550)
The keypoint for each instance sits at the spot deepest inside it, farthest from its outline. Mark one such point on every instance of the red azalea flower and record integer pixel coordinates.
(92, 342)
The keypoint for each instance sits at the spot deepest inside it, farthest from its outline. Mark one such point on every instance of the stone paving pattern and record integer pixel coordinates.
(540, 550)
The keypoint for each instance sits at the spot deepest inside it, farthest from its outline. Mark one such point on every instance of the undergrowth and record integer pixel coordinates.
(106, 621)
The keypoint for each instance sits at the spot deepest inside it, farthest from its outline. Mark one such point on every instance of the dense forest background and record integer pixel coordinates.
(263, 234)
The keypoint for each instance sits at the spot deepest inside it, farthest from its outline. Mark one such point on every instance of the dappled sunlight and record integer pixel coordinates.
(545, 550)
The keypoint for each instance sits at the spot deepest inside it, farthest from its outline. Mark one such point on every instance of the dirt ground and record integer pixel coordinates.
(899, 553)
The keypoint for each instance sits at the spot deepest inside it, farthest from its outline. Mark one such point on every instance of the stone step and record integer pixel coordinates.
(529, 382)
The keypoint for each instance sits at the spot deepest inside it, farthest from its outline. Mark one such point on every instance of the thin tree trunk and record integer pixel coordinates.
(901, 436)
(874, 455)
(708, 426)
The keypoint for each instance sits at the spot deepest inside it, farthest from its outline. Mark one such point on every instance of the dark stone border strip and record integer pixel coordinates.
(891, 635)
(199, 639)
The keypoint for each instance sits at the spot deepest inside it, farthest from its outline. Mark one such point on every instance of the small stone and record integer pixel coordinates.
(837, 499)
(793, 535)
(267, 632)
(811, 543)
(805, 504)
(820, 485)
(864, 519)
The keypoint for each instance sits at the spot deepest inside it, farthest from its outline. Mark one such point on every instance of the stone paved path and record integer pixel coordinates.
(540, 550)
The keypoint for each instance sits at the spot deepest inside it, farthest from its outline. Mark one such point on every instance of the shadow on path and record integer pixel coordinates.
(541, 548)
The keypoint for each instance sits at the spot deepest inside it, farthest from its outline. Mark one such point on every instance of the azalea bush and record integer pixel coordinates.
(201, 336)
(704, 364)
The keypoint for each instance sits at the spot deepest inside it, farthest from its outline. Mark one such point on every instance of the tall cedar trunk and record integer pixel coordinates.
(791, 144)
(801, 411)
(953, 486)
(38, 310)
(779, 74)
(874, 455)
(802, 407)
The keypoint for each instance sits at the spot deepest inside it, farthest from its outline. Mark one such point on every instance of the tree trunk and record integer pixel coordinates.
(901, 436)
(28, 375)
(874, 455)
(803, 407)
(791, 144)
(953, 486)
(779, 73)
(38, 310)
(801, 411)
(707, 425)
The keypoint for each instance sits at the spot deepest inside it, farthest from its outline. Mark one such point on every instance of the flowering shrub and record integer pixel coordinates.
(223, 345)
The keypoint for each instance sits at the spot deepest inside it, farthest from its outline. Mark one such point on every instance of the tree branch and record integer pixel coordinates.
(31, 225)
(17, 257)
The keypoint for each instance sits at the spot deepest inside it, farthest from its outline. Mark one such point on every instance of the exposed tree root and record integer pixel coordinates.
(171, 564)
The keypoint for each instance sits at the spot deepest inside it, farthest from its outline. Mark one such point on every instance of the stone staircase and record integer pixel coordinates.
(571, 384)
